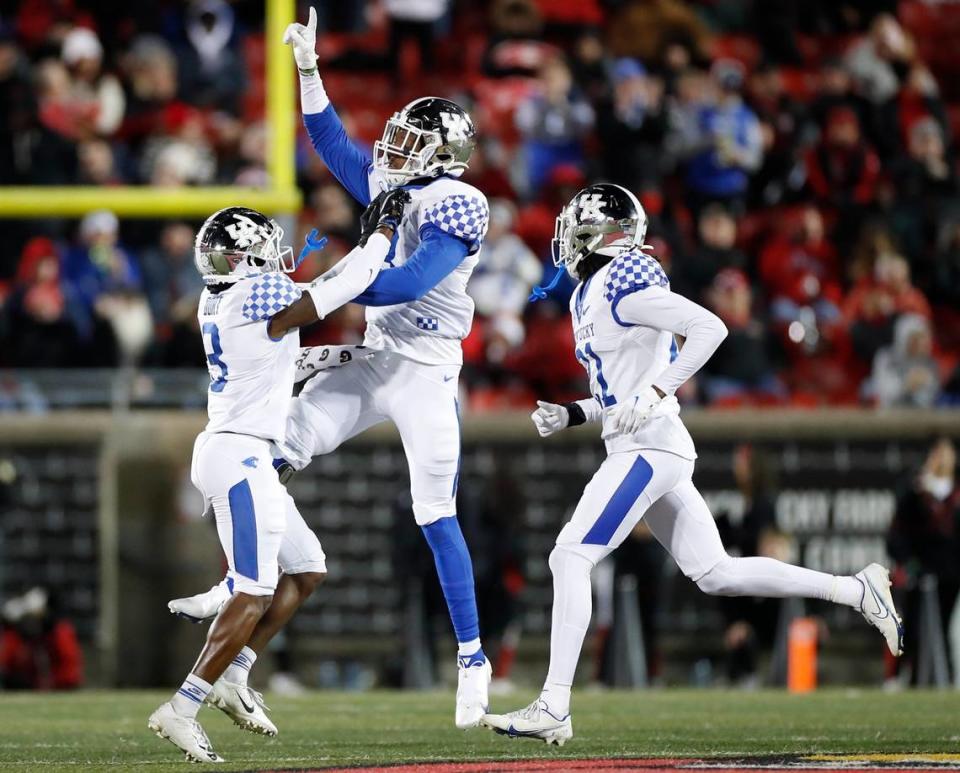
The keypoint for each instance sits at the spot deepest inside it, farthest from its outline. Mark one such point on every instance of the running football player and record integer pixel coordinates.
(625, 327)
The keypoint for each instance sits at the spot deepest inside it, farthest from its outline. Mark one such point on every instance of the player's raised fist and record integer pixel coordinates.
(385, 211)
(303, 38)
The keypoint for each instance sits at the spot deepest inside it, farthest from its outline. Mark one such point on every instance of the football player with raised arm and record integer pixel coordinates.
(418, 311)
(250, 313)
(626, 323)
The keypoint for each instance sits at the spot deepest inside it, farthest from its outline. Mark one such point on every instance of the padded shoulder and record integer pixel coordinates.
(267, 295)
(633, 271)
(459, 210)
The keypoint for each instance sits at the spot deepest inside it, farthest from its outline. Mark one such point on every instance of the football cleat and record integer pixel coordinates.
(184, 733)
(243, 705)
(473, 682)
(876, 605)
(535, 721)
(203, 606)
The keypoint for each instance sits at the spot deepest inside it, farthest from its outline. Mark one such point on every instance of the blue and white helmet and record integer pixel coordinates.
(237, 242)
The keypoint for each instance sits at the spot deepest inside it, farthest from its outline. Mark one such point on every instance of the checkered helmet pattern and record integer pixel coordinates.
(462, 216)
(269, 294)
(633, 271)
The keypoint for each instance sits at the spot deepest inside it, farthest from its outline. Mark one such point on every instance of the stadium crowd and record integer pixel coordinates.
(796, 160)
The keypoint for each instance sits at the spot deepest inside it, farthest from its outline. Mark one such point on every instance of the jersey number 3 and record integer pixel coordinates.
(214, 355)
(591, 361)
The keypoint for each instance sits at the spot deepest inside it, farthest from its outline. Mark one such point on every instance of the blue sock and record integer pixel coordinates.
(455, 571)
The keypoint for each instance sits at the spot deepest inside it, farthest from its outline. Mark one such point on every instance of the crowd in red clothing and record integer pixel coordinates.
(796, 160)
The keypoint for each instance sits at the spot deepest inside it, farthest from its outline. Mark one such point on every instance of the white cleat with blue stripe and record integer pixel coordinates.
(535, 721)
(184, 733)
(876, 605)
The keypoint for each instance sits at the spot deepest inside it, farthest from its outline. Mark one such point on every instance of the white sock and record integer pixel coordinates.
(846, 590)
(467, 648)
(572, 607)
(557, 698)
(239, 668)
(189, 698)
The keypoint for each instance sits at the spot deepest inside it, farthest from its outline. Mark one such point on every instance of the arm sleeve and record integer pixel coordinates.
(350, 165)
(661, 309)
(439, 253)
(360, 268)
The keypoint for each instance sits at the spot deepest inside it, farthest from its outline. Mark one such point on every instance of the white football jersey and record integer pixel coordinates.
(622, 358)
(251, 375)
(429, 330)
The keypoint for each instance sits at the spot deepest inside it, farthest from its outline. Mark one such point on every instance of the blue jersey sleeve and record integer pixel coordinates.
(349, 164)
(439, 253)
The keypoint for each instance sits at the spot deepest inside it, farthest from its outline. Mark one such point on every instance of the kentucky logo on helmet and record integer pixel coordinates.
(456, 125)
(245, 232)
(590, 207)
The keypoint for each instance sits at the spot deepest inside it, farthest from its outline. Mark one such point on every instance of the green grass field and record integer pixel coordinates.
(107, 730)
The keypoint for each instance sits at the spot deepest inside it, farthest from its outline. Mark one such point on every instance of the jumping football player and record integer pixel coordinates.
(625, 319)
(418, 312)
(250, 313)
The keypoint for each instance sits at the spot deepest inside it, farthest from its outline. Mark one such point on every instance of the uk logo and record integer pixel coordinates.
(250, 461)
(590, 207)
(245, 232)
(456, 126)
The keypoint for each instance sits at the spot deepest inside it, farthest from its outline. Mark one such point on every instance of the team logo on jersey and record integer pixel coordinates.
(456, 126)
(245, 232)
(590, 207)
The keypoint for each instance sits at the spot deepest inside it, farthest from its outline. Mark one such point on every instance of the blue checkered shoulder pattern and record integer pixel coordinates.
(268, 295)
(463, 216)
(633, 271)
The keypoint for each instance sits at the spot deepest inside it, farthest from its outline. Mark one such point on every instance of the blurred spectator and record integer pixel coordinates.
(924, 539)
(515, 47)
(631, 126)
(917, 99)
(211, 71)
(415, 20)
(335, 215)
(170, 275)
(553, 122)
(785, 129)
(799, 268)
(945, 278)
(925, 181)
(842, 169)
(875, 302)
(905, 374)
(501, 283)
(646, 29)
(16, 105)
(878, 61)
(108, 282)
(43, 324)
(97, 164)
(717, 250)
(39, 649)
(724, 145)
(835, 88)
(96, 95)
(742, 369)
(151, 74)
(182, 155)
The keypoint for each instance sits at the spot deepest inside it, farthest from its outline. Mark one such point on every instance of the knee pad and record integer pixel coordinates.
(718, 581)
(564, 556)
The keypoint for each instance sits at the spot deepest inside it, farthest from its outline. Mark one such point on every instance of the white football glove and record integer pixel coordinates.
(629, 415)
(303, 38)
(550, 418)
(313, 359)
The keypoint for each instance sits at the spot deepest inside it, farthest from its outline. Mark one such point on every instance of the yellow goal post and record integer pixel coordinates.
(281, 197)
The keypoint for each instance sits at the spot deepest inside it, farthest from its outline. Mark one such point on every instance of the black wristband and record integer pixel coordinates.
(576, 414)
